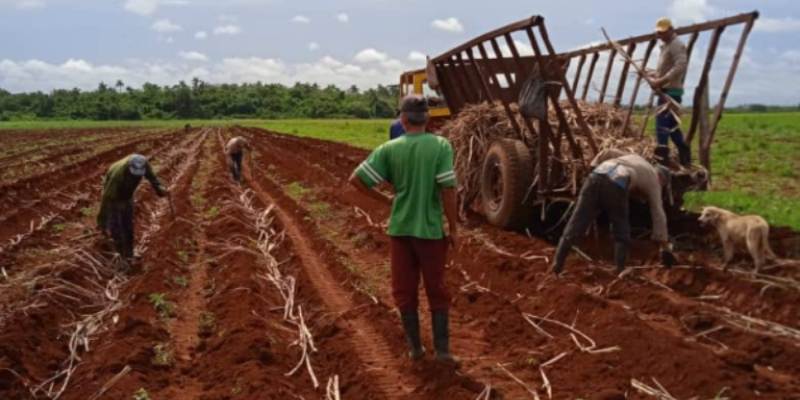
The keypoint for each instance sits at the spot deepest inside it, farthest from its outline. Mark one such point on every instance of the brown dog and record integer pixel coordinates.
(740, 230)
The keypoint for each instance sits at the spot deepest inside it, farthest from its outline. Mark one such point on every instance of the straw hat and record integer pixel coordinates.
(663, 24)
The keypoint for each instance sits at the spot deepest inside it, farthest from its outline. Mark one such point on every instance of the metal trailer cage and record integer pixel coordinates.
(491, 68)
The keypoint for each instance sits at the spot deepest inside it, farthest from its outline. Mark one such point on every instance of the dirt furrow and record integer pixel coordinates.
(141, 340)
(35, 347)
(74, 193)
(513, 275)
(369, 345)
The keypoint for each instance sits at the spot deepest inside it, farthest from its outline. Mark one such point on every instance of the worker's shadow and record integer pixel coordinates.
(445, 381)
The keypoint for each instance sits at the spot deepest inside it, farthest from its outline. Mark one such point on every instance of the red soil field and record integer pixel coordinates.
(279, 288)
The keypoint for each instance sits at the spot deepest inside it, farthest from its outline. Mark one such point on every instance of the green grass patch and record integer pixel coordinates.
(162, 306)
(180, 281)
(778, 211)
(212, 212)
(364, 133)
(755, 164)
(141, 394)
(296, 191)
(320, 210)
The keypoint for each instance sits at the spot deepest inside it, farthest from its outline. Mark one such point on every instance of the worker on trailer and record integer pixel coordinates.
(116, 208)
(235, 150)
(419, 165)
(668, 77)
(617, 175)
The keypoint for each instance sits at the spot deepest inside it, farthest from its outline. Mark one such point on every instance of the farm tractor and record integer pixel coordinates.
(518, 176)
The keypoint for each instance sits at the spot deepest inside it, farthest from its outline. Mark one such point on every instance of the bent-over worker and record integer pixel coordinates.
(615, 177)
(235, 150)
(668, 76)
(419, 165)
(116, 208)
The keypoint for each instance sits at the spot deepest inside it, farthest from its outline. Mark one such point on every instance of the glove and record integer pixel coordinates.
(668, 259)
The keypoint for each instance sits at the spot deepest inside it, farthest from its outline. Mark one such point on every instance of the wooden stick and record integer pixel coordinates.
(533, 392)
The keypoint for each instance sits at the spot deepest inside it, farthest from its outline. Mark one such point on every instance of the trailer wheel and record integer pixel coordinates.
(505, 179)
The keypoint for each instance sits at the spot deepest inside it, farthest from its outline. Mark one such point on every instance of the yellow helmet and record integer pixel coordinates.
(663, 24)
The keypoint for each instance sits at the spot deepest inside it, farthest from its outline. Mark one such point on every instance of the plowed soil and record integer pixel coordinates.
(279, 288)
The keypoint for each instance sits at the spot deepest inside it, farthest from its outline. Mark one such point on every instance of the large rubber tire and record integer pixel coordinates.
(506, 177)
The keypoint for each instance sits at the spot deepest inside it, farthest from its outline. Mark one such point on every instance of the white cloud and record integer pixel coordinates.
(165, 25)
(791, 55)
(683, 11)
(200, 35)
(237, 70)
(148, 7)
(193, 56)
(787, 24)
(523, 49)
(141, 7)
(370, 56)
(30, 4)
(227, 18)
(416, 56)
(451, 24)
(37, 75)
(343, 17)
(301, 19)
(313, 46)
(227, 30)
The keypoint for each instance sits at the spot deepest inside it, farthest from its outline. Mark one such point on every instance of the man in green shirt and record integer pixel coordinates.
(115, 218)
(419, 165)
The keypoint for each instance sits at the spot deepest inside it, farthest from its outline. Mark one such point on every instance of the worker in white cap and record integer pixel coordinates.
(668, 76)
(115, 218)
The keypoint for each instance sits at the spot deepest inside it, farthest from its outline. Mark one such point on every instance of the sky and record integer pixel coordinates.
(49, 44)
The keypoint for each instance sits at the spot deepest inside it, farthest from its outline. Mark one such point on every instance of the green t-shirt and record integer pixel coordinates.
(418, 166)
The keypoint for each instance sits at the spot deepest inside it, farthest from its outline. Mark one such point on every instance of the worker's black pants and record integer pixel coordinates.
(599, 193)
(120, 225)
(236, 166)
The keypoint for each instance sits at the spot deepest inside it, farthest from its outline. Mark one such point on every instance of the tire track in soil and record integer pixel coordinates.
(370, 346)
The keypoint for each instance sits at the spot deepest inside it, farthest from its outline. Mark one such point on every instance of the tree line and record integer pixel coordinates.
(201, 100)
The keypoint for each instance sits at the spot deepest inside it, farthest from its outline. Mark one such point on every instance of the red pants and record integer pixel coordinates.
(411, 257)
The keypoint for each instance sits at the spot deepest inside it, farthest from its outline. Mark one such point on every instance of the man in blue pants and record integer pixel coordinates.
(669, 76)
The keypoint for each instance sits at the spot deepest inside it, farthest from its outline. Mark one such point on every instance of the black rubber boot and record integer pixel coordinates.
(561, 255)
(620, 255)
(411, 327)
(685, 156)
(441, 337)
(662, 155)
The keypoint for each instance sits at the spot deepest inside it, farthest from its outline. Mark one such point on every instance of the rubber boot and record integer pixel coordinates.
(411, 327)
(620, 255)
(441, 337)
(685, 156)
(564, 246)
(662, 155)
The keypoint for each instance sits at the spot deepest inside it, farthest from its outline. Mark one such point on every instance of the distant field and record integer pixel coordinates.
(755, 164)
(366, 134)
(755, 160)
